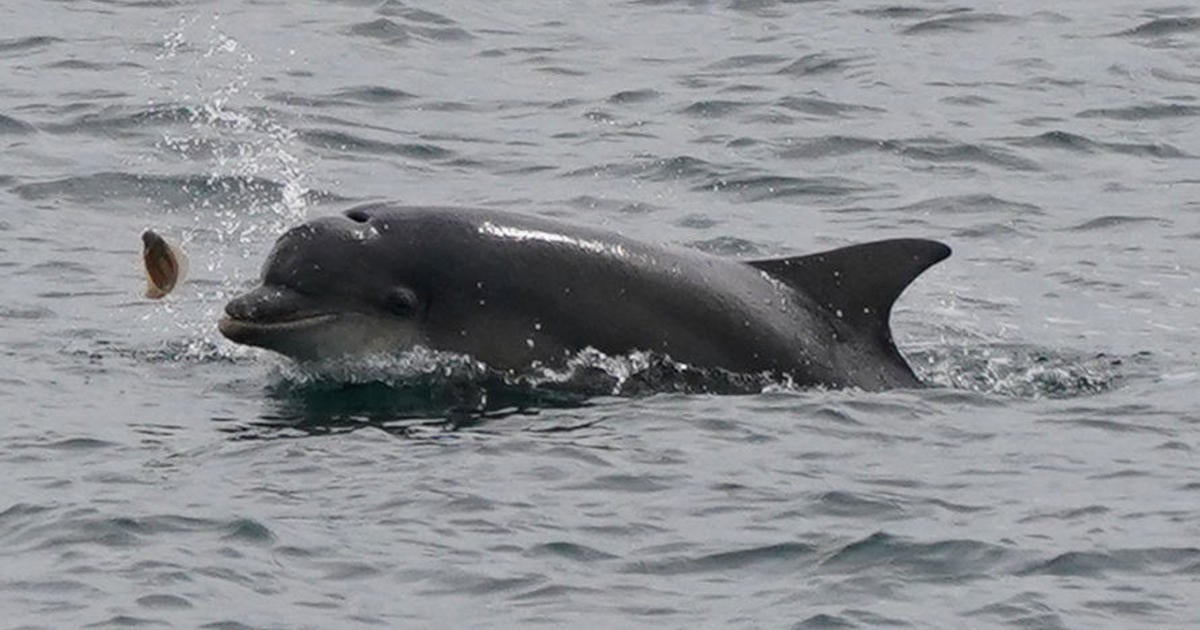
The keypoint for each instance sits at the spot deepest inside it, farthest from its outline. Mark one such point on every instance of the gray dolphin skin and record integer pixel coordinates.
(514, 291)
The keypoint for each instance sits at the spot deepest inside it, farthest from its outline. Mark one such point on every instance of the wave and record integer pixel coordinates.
(1142, 562)
(818, 106)
(893, 12)
(24, 45)
(171, 190)
(393, 33)
(817, 64)
(1120, 222)
(12, 126)
(788, 556)
(958, 560)
(961, 23)
(349, 143)
(680, 167)
(932, 149)
(627, 97)
(1082, 144)
(970, 204)
(764, 187)
(140, 121)
(738, 62)
(1153, 111)
(714, 108)
(1163, 26)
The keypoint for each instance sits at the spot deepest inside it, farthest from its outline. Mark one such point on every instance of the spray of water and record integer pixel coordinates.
(245, 176)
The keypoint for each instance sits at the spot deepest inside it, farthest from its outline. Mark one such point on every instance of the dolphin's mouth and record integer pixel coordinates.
(271, 313)
(247, 331)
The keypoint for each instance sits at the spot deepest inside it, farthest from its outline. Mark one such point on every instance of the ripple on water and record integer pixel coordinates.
(1143, 561)
(714, 108)
(675, 168)
(382, 30)
(629, 97)
(896, 11)
(931, 149)
(780, 557)
(12, 126)
(171, 190)
(959, 23)
(226, 625)
(1152, 111)
(1119, 222)
(1082, 144)
(817, 64)
(24, 45)
(857, 505)
(829, 146)
(134, 122)
(63, 532)
(392, 33)
(347, 97)
(1163, 26)
(350, 143)
(25, 312)
(395, 8)
(373, 95)
(738, 62)
(823, 621)
(933, 561)
(764, 187)
(160, 601)
(971, 204)
(570, 551)
(1025, 610)
(823, 107)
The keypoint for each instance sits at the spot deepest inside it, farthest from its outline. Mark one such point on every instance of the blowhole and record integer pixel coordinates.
(358, 216)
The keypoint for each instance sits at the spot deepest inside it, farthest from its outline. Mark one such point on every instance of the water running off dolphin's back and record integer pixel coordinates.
(514, 291)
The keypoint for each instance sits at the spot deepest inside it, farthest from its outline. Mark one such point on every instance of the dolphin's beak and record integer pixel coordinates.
(270, 314)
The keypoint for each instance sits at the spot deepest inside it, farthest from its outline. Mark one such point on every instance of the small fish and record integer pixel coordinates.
(166, 265)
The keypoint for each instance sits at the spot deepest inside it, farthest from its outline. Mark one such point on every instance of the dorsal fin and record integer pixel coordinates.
(859, 284)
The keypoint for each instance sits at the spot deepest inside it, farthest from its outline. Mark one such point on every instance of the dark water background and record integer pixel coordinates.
(152, 474)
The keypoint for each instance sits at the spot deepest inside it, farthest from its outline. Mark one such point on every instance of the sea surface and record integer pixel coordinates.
(154, 475)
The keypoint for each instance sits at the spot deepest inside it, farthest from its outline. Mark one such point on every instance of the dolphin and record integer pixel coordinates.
(516, 291)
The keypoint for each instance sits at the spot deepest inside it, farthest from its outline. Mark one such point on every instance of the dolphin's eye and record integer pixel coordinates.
(401, 301)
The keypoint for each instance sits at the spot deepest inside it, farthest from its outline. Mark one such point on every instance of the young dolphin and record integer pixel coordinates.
(512, 290)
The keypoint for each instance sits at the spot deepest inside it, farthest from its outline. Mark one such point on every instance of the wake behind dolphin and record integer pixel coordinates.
(516, 292)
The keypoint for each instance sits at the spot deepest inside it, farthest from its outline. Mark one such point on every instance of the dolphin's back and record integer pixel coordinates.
(512, 290)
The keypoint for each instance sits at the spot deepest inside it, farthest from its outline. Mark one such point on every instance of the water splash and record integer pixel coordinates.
(1018, 371)
(244, 177)
(231, 133)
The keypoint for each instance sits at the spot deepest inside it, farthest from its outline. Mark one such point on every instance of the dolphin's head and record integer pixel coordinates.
(335, 286)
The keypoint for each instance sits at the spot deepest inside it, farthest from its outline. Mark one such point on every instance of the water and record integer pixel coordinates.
(156, 475)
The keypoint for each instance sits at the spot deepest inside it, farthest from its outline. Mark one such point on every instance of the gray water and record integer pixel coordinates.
(154, 474)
